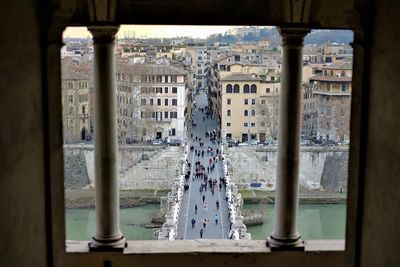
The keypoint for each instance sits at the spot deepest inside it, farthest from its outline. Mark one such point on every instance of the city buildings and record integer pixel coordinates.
(249, 107)
(332, 95)
(77, 104)
(200, 59)
(152, 101)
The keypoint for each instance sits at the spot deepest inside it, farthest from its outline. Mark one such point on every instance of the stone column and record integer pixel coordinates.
(108, 235)
(285, 235)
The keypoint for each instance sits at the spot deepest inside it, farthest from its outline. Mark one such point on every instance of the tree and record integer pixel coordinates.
(268, 113)
(341, 113)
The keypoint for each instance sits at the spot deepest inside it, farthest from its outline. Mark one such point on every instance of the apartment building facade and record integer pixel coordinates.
(159, 98)
(76, 105)
(332, 96)
(248, 107)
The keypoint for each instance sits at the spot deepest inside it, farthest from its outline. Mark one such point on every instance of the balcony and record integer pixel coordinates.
(331, 93)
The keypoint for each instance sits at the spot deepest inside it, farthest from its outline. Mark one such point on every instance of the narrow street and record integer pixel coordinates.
(207, 210)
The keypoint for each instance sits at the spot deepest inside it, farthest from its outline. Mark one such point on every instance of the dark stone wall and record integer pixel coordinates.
(334, 174)
(75, 170)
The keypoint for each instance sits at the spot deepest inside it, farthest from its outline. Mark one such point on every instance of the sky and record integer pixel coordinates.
(149, 31)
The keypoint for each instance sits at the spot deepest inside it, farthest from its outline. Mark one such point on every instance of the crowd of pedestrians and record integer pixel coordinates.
(205, 145)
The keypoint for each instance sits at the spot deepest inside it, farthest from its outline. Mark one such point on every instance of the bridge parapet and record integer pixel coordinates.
(235, 202)
(168, 231)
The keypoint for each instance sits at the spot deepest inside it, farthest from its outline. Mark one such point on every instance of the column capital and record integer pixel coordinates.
(103, 33)
(293, 35)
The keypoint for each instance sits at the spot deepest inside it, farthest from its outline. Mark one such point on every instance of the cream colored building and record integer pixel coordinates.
(158, 96)
(248, 107)
(76, 105)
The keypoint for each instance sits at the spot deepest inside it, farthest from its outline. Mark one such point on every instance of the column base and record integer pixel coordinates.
(285, 244)
(108, 245)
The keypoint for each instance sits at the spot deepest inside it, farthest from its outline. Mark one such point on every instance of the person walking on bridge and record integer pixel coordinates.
(216, 219)
(193, 222)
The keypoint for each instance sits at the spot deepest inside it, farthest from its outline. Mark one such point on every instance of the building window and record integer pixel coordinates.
(246, 89)
(166, 114)
(158, 102)
(246, 112)
(174, 102)
(253, 124)
(228, 113)
(153, 115)
(158, 78)
(229, 101)
(174, 90)
(253, 89)
(166, 90)
(229, 89)
(173, 114)
(236, 89)
(173, 79)
(151, 101)
(166, 102)
(166, 79)
(245, 124)
(159, 90)
(228, 124)
(253, 101)
(173, 132)
(253, 113)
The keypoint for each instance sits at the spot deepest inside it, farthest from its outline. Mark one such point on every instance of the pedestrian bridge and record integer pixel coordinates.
(203, 202)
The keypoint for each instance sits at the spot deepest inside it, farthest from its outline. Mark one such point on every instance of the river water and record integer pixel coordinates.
(319, 221)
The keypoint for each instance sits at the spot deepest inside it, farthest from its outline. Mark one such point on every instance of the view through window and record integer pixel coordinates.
(197, 115)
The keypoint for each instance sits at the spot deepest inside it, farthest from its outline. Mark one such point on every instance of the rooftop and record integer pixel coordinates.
(150, 69)
(240, 77)
(342, 65)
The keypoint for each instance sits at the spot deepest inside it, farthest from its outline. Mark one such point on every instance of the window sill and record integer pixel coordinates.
(206, 246)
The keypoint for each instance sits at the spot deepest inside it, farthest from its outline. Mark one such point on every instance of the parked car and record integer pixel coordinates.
(246, 143)
(175, 142)
(157, 142)
(254, 142)
(232, 143)
(305, 142)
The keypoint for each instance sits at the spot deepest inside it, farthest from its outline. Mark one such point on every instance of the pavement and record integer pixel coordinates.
(193, 195)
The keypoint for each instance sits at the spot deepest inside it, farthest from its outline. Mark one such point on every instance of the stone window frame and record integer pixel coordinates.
(247, 250)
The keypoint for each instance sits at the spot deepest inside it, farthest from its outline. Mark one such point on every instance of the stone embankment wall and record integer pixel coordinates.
(258, 165)
(140, 167)
(334, 174)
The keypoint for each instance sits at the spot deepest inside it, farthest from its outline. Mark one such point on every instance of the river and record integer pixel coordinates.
(319, 221)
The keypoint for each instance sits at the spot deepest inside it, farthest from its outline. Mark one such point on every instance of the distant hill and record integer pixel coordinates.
(320, 37)
(317, 37)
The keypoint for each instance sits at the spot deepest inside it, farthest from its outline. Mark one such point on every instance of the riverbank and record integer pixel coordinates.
(305, 197)
(84, 199)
